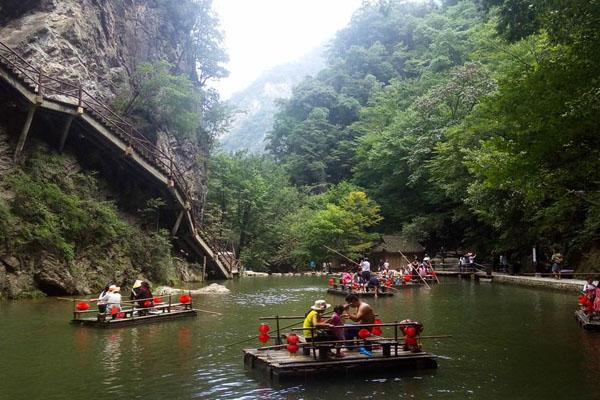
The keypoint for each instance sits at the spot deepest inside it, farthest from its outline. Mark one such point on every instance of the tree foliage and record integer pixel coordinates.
(470, 123)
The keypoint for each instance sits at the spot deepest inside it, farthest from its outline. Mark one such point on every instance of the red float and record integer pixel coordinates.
(293, 339)
(114, 310)
(185, 298)
(407, 278)
(263, 337)
(292, 348)
(120, 315)
(264, 328)
(157, 300)
(377, 322)
(355, 286)
(147, 303)
(363, 333)
(376, 331)
(331, 282)
(410, 341)
(582, 300)
(82, 306)
(411, 331)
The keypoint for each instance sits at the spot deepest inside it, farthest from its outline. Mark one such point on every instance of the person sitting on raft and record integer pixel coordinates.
(336, 330)
(364, 314)
(141, 292)
(101, 304)
(112, 299)
(314, 319)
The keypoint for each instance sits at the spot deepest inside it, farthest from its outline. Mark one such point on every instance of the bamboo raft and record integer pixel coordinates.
(314, 359)
(135, 315)
(584, 320)
(339, 291)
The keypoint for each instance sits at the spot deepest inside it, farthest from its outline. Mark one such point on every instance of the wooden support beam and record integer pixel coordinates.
(177, 223)
(24, 132)
(65, 133)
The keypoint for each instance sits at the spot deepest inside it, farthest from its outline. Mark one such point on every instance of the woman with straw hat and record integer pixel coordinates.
(314, 319)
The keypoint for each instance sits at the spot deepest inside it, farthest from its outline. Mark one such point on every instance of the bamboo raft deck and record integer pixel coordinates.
(135, 315)
(279, 364)
(584, 320)
(342, 292)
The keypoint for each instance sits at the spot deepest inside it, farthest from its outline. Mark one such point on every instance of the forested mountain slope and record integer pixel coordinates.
(255, 106)
(470, 123)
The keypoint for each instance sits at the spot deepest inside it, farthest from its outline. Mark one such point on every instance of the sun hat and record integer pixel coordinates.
(113, 288)
(320, 305)
(137, 284)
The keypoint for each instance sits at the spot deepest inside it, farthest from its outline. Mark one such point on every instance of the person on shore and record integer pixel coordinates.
(471, 260)
(112, 299)
(364, 314)
(462, 262)
(314, 319)
(557, 260)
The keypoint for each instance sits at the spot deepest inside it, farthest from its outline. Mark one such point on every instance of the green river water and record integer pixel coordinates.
(508, 343)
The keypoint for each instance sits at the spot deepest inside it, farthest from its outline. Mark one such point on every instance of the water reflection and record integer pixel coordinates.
(508, 342)
(112, 353)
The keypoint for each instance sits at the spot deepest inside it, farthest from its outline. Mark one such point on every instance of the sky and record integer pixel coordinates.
(261, 34)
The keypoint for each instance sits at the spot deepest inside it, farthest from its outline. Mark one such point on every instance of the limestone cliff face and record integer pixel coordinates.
(100, 43)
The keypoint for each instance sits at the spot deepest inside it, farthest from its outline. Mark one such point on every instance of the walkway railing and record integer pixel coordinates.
(74, 94)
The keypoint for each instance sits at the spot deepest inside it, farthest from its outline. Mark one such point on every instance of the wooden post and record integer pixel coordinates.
(24, 132)
(177, 223)
(278, 340)
(204, 270)
(65, 133)
(396, 338)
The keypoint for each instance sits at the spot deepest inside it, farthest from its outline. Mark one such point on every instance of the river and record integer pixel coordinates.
(507, 343)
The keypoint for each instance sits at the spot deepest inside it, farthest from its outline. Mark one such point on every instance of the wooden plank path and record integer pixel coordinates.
(112, 133)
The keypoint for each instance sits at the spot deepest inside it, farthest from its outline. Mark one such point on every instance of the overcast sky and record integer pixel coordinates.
(261, 34)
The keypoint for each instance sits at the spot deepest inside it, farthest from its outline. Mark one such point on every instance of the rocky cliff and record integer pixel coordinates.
(100, 44)
(63, 233)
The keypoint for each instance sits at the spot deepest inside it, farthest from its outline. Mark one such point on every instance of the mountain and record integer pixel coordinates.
(257, 104)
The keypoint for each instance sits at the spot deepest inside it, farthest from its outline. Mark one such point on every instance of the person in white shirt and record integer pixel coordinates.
(365, 270)
(589, 286)
(112, 299)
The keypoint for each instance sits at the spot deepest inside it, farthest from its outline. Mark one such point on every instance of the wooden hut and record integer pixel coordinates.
(391, 248)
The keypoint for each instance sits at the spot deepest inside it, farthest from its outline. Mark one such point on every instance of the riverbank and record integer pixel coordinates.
(265, 274)
(571, 285)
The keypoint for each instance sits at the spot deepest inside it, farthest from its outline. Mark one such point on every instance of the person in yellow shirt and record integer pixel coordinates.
(314, 319)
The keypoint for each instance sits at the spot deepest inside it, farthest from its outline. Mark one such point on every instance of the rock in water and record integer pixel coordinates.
(213, 288)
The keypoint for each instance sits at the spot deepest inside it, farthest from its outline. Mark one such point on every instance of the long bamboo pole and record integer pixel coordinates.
(340, 254)
(410, 264)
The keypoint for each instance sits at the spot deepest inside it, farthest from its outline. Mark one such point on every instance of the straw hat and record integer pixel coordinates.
(320, 305)
(113, 288)
(137, 284)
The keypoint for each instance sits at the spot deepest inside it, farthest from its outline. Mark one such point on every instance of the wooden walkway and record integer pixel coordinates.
(73, 102)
